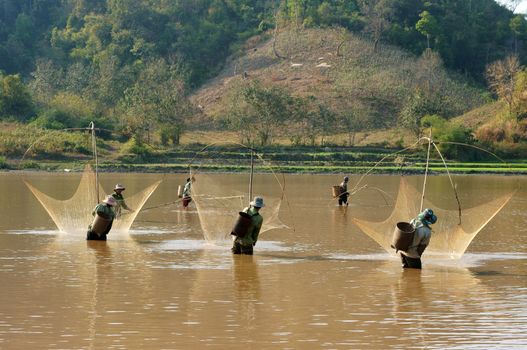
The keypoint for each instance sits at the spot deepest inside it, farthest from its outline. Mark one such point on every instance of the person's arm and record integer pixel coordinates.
(124, 206)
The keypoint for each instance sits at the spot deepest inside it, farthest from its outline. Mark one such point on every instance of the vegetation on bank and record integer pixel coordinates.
(283, 159)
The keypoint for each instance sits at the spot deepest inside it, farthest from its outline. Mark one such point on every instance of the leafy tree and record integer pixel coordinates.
(313, 119)
(428, 26)
(352, 122)
(47, 80)
(449, 135)
(258, 112)
(156, 100)
(518, 26)
(416, 107)
(520, 94)
(15, 101)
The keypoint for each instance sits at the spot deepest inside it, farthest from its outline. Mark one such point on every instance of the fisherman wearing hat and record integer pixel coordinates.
(186, 192)
(244, 245)
(105, 211)
(411, 258)
(118, 196)
(343, 198)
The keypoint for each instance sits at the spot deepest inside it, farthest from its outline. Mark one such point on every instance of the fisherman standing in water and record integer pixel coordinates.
(344, 194)
(118, 196)
(411, 258)
(186, 193)
(245, 244)
(104, 215)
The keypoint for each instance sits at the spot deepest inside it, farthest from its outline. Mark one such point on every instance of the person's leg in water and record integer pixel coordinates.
(92, 236)
(236, 248)
(411, 263)
(247, 249)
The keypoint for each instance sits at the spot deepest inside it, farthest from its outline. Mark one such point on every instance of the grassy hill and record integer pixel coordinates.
(343, 72)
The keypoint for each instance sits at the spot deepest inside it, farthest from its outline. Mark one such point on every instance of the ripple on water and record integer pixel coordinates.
(34, 232)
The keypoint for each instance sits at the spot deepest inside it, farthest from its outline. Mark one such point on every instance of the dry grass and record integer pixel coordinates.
(482, 115)
(369, 83)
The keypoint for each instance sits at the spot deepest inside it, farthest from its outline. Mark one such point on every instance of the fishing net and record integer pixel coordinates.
(449, 236)
(75, 214)
(218, 207)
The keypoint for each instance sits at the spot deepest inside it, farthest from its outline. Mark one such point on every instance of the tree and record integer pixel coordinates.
(258, 112)
(377, 18)
(47, 79)
(428, 26)
(353, 122)
(447, 134)
(429, 73)
(416, 107)
(518, 26)
(501, 78)
(157, 100)
(313, 119)
(15, 101)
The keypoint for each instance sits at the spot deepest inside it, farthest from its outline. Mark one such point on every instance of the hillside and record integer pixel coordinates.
(340, 70)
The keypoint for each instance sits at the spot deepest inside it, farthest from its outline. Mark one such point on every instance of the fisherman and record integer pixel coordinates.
(118, 196)
(186, 193)
(344, 194)
(105, 210)
(244, 245)
(411, 258)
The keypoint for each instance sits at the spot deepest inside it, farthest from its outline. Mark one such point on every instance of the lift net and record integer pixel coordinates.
(449, 238)
(75, 214)
(218, 208)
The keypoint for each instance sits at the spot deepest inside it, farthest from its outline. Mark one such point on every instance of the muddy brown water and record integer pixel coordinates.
(323, 285)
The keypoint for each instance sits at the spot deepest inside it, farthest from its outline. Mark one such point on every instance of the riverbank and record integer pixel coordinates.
(301, 160)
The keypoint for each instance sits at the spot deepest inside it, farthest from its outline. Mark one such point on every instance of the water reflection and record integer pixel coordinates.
(246, 284)
(103, 264)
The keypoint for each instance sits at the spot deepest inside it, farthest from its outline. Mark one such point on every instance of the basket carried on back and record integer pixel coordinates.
(100, 224)
(403, 236)
(337, 191)
(242, 225)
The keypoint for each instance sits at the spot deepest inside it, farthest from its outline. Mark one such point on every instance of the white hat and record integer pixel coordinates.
(110, 201)
(119, 187)
(257, 202)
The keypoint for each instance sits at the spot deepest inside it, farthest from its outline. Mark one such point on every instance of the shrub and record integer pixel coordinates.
(3, 163)
(53, 119)
(134, 146)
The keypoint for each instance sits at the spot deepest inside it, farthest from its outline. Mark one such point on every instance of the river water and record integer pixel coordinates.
(323, 284)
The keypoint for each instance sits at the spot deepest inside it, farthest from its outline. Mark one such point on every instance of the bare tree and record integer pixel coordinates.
(377, 14)
(429, 73)
(501, 77)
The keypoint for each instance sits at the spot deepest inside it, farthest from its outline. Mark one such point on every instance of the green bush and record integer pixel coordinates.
(29, 164)
(53, 119)
(3, 163)
(134, 146)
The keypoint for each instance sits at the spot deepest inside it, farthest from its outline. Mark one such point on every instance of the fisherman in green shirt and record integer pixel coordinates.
(244, 245)
(105, 211)
(411, 258)
(118, 196)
